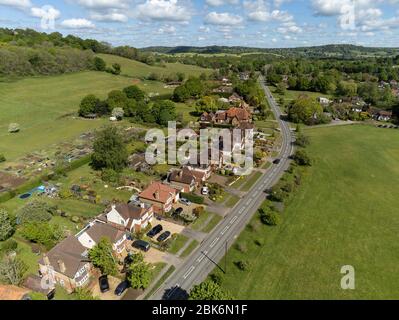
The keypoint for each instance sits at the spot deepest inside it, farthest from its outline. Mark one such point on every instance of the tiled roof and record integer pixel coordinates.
(158, 192)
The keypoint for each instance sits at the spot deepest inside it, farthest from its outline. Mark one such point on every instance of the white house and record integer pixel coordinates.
(131, 217)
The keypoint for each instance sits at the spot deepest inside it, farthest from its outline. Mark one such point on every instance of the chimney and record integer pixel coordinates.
(61, 265)
(46, 260)
(142, 204)
(156, 194)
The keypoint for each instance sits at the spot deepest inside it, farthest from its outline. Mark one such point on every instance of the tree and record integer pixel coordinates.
(302, 140)
(139, 275)
(164, 111)
(13, 128)
(88, 105)
(6, 226)
(99, 64)
(117, 99)
(134, 92)
(301, 158)
(306, 110)
(2, 158)
(109, 150)
(84, 294)
(116, 68)
(270, 218)
(42, 233)
(280, 88)
(36, 211)
(12, 270)
(118, 113)
(102, 257)
(209, 290)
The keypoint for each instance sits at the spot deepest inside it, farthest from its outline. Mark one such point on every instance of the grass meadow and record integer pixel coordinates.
(345, 213)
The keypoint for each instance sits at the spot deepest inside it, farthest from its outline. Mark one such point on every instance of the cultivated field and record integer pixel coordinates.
(345, 213)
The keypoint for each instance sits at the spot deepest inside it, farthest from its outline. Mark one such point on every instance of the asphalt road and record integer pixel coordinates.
(209, 254)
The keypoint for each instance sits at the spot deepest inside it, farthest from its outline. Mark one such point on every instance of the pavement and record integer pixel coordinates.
(211, 250)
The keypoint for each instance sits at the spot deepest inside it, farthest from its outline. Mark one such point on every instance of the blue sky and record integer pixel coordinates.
(256, 23)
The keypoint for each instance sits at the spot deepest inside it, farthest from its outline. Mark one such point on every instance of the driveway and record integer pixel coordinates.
(109, 295)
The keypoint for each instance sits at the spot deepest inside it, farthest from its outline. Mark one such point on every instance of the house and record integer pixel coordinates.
(96, 230)
(207, 117)
(183, 180)
(244, 76)
(67, 264)
(130, 217)
(10, 292)
(223, 89)
(160, 195)
(384, 115)
(235, 98)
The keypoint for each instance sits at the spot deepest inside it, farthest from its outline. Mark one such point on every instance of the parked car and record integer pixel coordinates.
(121, 287)
(104, 284)
(205, 191)
(178, 211)
(185, 201)
(163, 236)
(142, 245)
(277, 161)
(154, 231)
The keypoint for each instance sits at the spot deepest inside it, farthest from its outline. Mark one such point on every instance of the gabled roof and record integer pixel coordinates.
(99, 230)
(71, 252)
(239, 113)
(128, 211)
(158, 192)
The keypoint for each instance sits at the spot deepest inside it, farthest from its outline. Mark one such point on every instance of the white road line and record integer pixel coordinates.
(234, 219)
(241, 210)
(173, 290)
(224, 230)
(214, 242)
(203, 256)
(188, 272)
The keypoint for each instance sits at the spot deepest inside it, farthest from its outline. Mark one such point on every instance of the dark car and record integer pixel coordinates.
(154, 231)
(103, 282)
(277, 161)
(178, 211)
(142, 245)
(121, 287)
(163, 236)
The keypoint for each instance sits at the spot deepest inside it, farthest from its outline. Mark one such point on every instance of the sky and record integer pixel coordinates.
(254, 23)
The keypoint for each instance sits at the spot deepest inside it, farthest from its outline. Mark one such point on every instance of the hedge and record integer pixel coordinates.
(193, 198)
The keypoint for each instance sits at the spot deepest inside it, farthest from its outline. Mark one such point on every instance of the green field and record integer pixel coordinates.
(137, 69)
(345, 213)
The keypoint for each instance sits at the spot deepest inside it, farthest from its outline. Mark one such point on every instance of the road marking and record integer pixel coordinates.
(203, 256)
(224, 230)
(241, 210)
(234, 219)
(188, 272)
(214, 242)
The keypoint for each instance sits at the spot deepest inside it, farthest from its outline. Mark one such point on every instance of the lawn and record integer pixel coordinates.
(345, 213)
(193, 244)
(178, 243)
(231, 201)
(212, 224)
(199, 223)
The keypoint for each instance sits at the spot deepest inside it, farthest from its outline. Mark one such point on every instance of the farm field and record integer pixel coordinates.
(344, 213)
(293, 94)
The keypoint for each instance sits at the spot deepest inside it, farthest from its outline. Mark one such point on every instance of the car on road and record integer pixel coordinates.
(185, 201)
(121, 287)
(141, 244)
(154, 231)
(277, 161)
(103, 283)
(163, 236)
(205, 191)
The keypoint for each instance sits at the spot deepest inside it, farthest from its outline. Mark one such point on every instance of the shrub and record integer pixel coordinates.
(301, 158)
(42, 233)
(242, 265)
(9, 245)
(242, 247)
(259, 242)
(36, 211)
(216, 278)
(110, 175)
(2, 157)
(193, 197)
(271, 218)
(198, 211)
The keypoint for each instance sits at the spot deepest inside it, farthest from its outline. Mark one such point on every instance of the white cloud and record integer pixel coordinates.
(77, 24)
(167, 29)
(223, 19)
(103, 4)
(48, 12)
(106, 10)
(259, 10)
(167, 10)
(20, 4)
(110, 16)
(217, 3)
